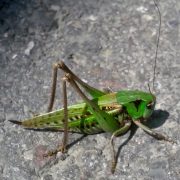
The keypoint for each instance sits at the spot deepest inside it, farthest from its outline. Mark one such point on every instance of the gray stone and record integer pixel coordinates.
(109, 44)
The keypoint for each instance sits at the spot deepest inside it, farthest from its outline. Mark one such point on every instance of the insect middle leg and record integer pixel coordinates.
(118, 132)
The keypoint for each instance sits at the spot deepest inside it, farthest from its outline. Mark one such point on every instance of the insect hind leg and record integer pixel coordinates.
(53, 88)
(91, 90)
(63, 146)
(61, 65)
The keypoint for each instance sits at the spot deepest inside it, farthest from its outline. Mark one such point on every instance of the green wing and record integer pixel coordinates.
(55, 118)
(79, 116)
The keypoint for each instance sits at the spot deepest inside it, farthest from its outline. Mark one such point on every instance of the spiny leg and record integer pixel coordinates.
(91, 90)
(120, 131)
(94, 106)
(65, 137)
(153, 133)
(63, 147)
(85, 85)
(105, 120)
(53, 88)
(102, 117)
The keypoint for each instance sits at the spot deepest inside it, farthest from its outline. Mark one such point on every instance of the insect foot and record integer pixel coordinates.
(163, 137)
(61, 149)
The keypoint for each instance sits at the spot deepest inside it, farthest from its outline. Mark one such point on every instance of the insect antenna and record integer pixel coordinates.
(157, 45)
(149, 88)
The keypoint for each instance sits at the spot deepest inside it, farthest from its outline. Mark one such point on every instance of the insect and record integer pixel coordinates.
(113, 112)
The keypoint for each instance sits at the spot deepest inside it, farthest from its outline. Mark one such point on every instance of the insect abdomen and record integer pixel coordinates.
(82, 121)
(88, 125)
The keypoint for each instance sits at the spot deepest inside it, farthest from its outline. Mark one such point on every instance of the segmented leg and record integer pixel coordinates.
(105, 120)
(53, 88)
(91, 90)
(120, 131)
(102, 118)
(94, 92)
(63, 147)
(65, 137)
(153, 133)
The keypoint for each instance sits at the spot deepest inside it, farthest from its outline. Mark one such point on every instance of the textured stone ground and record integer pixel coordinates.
(108, 44)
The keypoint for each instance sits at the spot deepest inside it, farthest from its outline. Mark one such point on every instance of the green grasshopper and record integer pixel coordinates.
(106, 112)
(113, 112)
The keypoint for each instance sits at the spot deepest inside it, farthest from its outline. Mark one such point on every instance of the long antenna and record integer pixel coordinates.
(157, 44)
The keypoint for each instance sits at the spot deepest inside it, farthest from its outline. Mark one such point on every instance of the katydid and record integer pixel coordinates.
(106, 112)
(112, 112)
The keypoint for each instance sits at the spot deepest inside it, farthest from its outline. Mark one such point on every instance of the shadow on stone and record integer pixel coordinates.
(133, 130)
(76, 141)
(157, 119)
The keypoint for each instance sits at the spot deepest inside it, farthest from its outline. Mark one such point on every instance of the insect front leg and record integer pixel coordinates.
(118, 132)
(153, 133)
(136, 114)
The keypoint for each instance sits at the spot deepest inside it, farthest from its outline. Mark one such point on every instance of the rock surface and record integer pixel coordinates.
(108, 44)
